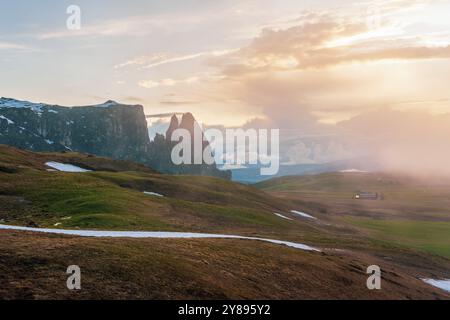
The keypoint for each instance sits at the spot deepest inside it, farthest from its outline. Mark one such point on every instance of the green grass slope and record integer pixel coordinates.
(413, 213)
(112, 197)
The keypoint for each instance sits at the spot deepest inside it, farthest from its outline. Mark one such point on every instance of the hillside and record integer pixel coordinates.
(33, 267)
(411, 212)
(336, 182)
(111, 197)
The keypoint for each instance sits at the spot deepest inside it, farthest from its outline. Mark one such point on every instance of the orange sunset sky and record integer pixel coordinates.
(367, 77)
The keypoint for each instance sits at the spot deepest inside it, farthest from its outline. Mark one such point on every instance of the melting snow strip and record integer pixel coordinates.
(153, 194)
(150, 234)
(441, 284)
(303, 214)
(281, 216)
(65, 167)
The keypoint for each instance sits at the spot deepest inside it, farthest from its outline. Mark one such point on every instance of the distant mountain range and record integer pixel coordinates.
(251, 174)
(110, 129)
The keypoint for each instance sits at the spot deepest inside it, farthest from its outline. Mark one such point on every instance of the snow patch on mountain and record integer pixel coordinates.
(5, 118)
(107, 104)
(12, 103)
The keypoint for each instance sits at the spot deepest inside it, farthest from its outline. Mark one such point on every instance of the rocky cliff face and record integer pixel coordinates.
(161, 149)
(110, 129)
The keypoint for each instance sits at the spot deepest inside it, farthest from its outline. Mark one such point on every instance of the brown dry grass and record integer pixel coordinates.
(32, 266)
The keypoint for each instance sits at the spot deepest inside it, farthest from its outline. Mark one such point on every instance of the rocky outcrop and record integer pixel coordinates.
(161, 149)
(110, 129)
(173, 126)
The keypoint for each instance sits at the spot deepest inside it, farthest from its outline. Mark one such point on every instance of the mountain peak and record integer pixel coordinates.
(107, 104)
(13, 103)
(112, 103)
(173, 126)
(188, 121)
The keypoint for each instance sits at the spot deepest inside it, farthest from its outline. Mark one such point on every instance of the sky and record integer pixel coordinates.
(322, 70)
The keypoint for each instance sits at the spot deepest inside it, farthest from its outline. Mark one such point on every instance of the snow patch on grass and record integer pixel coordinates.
(65, 167)
(304, 215)
(281, 216)
(159, 235)
(153, 194)
(441, 284)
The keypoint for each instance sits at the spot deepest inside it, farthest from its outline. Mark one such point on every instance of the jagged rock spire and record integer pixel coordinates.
(188, 122)
(172, 127)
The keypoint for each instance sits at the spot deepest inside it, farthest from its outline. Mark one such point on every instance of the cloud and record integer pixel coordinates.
(315, 71)
(205, 77)
(178, 102)
(327, 41)
(158, 59)
(310, 77)
(133, 99)
(14, 46)
(144, 60)
(163, 115)
(410, 141)
(135, 26)
(167, 82)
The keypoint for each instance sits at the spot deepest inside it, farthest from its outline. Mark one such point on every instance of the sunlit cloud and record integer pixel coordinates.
(167, 82)
(325, 43)
(158, 59)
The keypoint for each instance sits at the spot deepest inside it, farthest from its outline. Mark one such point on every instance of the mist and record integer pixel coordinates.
(410, 142)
